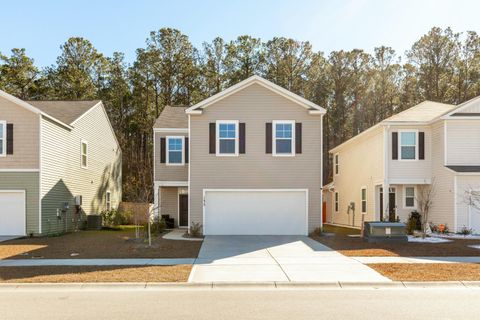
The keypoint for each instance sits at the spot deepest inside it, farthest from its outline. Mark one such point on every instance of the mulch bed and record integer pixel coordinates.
(58, 274)
(107, 244)
(356, 247)
(429, 271)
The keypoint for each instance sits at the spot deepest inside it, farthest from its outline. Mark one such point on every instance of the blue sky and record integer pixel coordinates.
(42, 26)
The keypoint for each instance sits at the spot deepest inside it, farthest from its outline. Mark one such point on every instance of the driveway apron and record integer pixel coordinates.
(275, 258)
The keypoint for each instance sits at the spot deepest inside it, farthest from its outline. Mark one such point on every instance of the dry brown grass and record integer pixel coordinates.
(56, 274)
(429, 271)
(97, 244)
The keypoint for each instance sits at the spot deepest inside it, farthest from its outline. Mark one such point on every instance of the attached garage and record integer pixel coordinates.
(255, 211)
(12, 213)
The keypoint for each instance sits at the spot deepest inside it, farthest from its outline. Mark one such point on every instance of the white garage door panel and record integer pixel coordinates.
(257, 212)
(12, 213)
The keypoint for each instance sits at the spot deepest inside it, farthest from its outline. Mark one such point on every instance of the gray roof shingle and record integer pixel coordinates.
(172, 117)
(65, 111)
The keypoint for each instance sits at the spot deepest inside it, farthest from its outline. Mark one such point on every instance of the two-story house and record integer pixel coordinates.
(431, 146)
(246, 161)
(59, 160)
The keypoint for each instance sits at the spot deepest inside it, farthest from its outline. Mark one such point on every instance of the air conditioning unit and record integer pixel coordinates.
(78, 200)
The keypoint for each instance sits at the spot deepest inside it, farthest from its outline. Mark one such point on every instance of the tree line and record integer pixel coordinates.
(357, 88)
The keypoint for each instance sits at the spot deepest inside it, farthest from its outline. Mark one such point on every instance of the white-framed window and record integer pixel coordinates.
(409, 197)
(227, 138)
(108, 200)
(364, 199)
(335, 163)
(336, 201)
(408, 146)
(283, 138)
(3, 138)
(84, 154)
(175, 150)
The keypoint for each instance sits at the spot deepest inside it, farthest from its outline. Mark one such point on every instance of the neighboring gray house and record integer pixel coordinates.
(59, 160)
(247, 160)
(429, 144)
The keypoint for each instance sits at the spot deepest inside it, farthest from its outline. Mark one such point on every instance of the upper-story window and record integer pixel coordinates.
(335, 161)
(84, 154)
(3, 138)
(408, 145)
(175, 150)
(284, 138)
(227, 138)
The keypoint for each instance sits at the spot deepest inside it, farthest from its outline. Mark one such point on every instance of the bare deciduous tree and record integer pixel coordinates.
(425, 195)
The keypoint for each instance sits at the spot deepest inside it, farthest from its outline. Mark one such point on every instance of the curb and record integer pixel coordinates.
(170, 286)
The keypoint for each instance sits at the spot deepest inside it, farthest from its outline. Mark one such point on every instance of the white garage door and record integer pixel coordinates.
(475, 219)
(255, 212)
(12, 213)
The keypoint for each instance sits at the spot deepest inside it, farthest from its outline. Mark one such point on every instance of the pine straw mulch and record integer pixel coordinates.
(59, 274)
(107, 244)
(429, 271)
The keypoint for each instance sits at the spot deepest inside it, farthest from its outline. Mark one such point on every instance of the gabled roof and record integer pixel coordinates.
(462, 110)
(172, 117)
(65, 111)
(426, 111)
(314, 109)
(423, 113)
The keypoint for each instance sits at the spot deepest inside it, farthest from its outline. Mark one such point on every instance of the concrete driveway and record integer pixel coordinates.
(275, 258)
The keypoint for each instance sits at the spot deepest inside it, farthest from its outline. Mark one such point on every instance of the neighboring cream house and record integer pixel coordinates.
(59, 160)
(431, 144)
(247, 160)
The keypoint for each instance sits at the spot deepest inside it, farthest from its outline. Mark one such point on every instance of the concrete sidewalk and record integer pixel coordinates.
(94, 262)
(369, 260)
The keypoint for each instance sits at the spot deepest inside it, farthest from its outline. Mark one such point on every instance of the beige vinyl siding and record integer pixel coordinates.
(164, 172)
(26, 136)
(255, 106)
(404, 170)
(443, 181)
(465, 184)
(62, 174)
(463, 142)
(169, 202)
(360, 165)
(28, 181)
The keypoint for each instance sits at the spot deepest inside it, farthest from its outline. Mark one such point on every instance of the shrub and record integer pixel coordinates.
(196, 230)
(465, 231)
(414, 222)
(113, 217)
(157, 227)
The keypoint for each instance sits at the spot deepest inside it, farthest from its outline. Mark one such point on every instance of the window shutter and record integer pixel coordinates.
(163, 150)
(298, 137)
(421, 145)
(241, 146)
(186, 149)
(268, 137)
(394, 145)
(9, 138)
(213, 138)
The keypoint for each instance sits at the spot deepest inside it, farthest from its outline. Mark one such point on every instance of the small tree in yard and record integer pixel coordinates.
(425, 203)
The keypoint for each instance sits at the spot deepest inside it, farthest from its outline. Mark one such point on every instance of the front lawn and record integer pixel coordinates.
(356, 247)
(108, 244)
(59, 274)
(429, 271)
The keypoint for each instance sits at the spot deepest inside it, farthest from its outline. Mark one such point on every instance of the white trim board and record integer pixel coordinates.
(171, 183)
(183, 130)
(248, 82)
